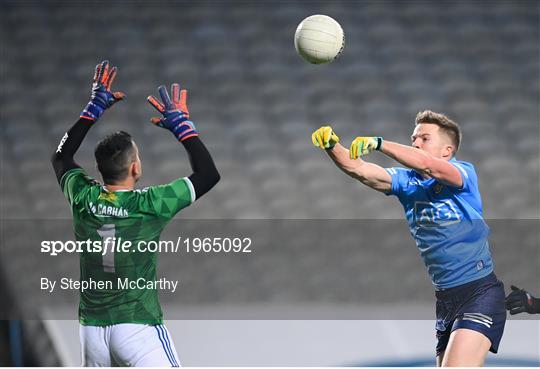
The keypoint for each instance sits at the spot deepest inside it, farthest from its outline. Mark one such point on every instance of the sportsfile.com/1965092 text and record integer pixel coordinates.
(181, 244)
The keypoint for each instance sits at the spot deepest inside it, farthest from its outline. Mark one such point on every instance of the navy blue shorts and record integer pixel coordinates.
(477, 305)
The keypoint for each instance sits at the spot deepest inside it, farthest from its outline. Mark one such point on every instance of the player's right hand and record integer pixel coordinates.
(324, 138)
(175, 112)
(102, 98)
(519, 301)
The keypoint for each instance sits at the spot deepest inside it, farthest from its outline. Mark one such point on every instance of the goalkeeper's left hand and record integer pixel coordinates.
(364, 145)
(175, 112)
(519, 301)
(102, 98)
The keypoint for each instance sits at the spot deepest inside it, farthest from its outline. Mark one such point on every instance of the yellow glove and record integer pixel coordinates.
(324, 137)
(364, 145)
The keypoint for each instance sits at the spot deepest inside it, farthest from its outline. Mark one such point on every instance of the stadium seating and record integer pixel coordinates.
(256, 103)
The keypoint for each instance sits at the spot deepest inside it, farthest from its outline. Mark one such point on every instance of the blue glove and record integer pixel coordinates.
(102, 98)
(175, 112)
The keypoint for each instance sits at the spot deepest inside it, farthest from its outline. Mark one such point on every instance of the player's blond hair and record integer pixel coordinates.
(446, 124)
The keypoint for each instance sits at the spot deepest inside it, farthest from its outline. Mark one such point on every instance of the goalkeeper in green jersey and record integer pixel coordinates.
(124, 326)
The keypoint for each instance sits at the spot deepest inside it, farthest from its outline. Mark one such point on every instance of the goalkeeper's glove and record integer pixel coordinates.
(175, 112)
(519, 301)
(102, 98)
(324, 138)
(364, 145)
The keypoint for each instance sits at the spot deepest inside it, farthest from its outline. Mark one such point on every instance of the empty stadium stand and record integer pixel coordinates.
(256, 103)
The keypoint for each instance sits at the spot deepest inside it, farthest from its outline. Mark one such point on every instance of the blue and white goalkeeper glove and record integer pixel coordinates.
(102, 98)
(175, 112)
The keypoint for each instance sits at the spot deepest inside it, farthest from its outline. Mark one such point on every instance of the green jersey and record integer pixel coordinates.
(128, 216)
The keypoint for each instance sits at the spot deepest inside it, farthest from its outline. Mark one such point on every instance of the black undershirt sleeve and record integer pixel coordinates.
(204, 177)
(205, 174)
(62, 160)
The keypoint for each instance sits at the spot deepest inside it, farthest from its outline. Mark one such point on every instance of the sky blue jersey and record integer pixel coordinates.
(446, 223)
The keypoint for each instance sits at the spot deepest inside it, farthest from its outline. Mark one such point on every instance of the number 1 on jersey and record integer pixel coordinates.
(105, 232)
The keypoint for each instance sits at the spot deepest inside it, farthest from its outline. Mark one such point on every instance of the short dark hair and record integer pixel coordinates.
(113, 155)
(446, 124)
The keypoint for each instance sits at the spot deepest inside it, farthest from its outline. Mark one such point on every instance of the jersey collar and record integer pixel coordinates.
(107, 190)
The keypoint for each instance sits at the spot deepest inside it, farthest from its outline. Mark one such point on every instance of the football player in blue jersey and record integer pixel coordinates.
(443, 208)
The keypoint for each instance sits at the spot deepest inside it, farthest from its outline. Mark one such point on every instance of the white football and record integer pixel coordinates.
(319, 39)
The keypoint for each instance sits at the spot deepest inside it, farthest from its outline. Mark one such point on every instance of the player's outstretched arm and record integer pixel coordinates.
(520, 301)
(102, 98)
(372, 175)
(423, 162)
(410, 157)
(176, 119)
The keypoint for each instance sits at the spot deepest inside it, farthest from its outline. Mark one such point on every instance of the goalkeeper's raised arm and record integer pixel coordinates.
(117, 155)
(101, 99)
(175, 118)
